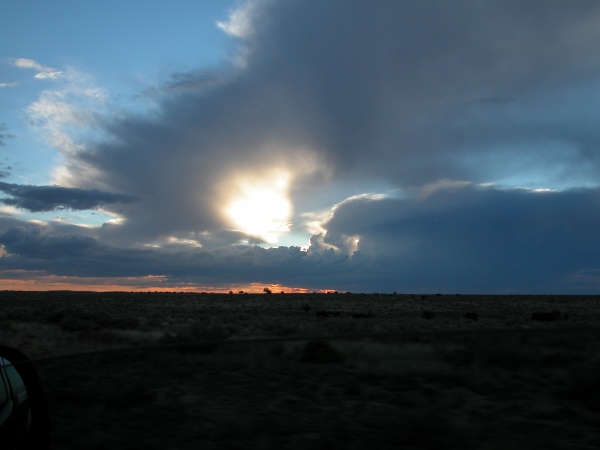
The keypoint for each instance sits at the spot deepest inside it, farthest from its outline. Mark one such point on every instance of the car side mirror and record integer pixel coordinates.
(24, 419)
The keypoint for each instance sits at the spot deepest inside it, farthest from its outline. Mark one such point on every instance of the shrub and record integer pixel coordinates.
(125, 323)
(20, 315)
(362, 315)
(321, 352)
(55, 316)
(324, 313)
(471, 316)
(548, 316)
(427, 315)
(74, 323)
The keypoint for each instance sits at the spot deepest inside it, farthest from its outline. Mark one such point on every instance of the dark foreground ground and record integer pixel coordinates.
(312, 371)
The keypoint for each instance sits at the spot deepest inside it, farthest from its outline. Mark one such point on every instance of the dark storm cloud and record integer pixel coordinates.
(50, 198)
(404, 93)
(60, 251)
(453, 240)
(31, 242)
(74, 251)
(401, 90)
(389, 82)
(475, 239)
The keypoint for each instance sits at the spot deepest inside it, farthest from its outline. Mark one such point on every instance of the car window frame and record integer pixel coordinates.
(6, 406)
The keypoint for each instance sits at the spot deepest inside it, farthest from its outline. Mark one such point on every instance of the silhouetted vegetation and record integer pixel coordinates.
(427, 315)
(528, 386)
(549, 316)
(321, 352)
(324, 313)
(362, 315)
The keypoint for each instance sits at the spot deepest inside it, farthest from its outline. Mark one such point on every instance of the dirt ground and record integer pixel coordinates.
(288, 371)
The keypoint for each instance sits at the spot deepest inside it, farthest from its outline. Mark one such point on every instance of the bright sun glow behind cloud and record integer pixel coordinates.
(261, 207)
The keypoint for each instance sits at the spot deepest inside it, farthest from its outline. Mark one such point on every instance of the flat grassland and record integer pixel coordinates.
(291, 371)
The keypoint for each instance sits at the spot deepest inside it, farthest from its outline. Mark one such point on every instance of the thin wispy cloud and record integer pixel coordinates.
(240, 22)
(5, 134)
(43, 72)
(67, 112)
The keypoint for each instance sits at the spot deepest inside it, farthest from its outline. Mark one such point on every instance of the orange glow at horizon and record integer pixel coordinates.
(138, 284)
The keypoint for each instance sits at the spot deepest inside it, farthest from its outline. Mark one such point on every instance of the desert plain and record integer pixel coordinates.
(304, 371)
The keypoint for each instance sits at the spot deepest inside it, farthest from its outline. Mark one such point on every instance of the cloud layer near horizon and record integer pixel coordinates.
(424, 103)
(51, 198)
(453, 240)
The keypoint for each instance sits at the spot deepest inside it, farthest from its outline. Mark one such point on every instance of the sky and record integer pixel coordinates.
(388, 146)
